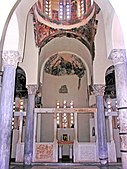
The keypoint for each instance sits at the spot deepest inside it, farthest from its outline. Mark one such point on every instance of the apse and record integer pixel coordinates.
(66, 77)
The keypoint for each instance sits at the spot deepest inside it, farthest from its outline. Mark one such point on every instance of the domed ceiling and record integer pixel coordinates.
(64, 11)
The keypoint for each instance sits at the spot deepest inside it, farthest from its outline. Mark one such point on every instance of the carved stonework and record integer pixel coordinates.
(63, 89)
(44, 152)
(99, 89)
(32, 89)
(10, 58)
(118, 56)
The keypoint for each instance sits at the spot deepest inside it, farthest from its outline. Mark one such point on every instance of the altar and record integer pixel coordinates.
(65, 139)
(51, 141)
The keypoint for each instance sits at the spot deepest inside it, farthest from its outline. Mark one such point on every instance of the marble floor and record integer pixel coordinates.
(67, 166)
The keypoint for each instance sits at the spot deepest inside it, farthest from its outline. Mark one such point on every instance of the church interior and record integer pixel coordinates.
(80, 118)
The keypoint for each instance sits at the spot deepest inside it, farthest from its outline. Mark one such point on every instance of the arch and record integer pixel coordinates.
(114, 8)
(86, 67)
(26, 6)
(110, 90)
(7, 13)
(70, 35)
(11, 42)
(20, 83)
(71, 46)
(20, 7)
(117, 34)
(120, 9)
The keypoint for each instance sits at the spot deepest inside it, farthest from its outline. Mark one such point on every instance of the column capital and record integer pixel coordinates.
(99, 89)
(10, 58)
(32, 89)
(118, 56)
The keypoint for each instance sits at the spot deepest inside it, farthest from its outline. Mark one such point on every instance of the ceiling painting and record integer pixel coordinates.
(60, 65)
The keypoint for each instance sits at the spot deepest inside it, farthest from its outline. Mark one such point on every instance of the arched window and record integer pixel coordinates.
(64, 9)
(68, 9)
(91, 2)
(47, 7)
(82, 7)
(61, 10)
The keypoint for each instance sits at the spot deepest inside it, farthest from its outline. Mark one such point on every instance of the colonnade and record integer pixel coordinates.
(10, 61)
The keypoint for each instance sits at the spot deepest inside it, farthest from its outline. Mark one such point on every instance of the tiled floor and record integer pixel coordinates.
(66, 166)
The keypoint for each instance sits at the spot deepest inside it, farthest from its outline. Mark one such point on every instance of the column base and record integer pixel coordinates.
(104, 161)
(28, 159)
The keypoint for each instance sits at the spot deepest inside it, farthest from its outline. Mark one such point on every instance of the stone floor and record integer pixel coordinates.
(66, 166)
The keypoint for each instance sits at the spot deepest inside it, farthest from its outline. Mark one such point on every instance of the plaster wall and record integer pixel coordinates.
(30, 59)
(4, 13)
(11, 43)
(107, 17)
(117, 34)
(23, 25)
(101, 62)
(120, 9)
(50, 93)
(52, 84)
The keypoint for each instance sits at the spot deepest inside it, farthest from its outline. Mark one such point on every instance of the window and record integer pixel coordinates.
(64, 9)
(47, 7)
(61, 10)
(68, 11)
(65, 120)
(91, 2)
(82, 7)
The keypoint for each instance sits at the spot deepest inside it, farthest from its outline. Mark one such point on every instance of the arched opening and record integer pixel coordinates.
(63, 89)
(111, 106)
(110, 90)
(20, 83)
(19, 106)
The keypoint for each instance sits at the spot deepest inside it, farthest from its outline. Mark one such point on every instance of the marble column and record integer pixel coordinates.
(28, 147)
(119, 59)
(101, 126)
(10, 60)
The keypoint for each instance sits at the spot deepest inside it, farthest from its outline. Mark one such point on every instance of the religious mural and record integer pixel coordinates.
(59, 65)
(85, 34)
